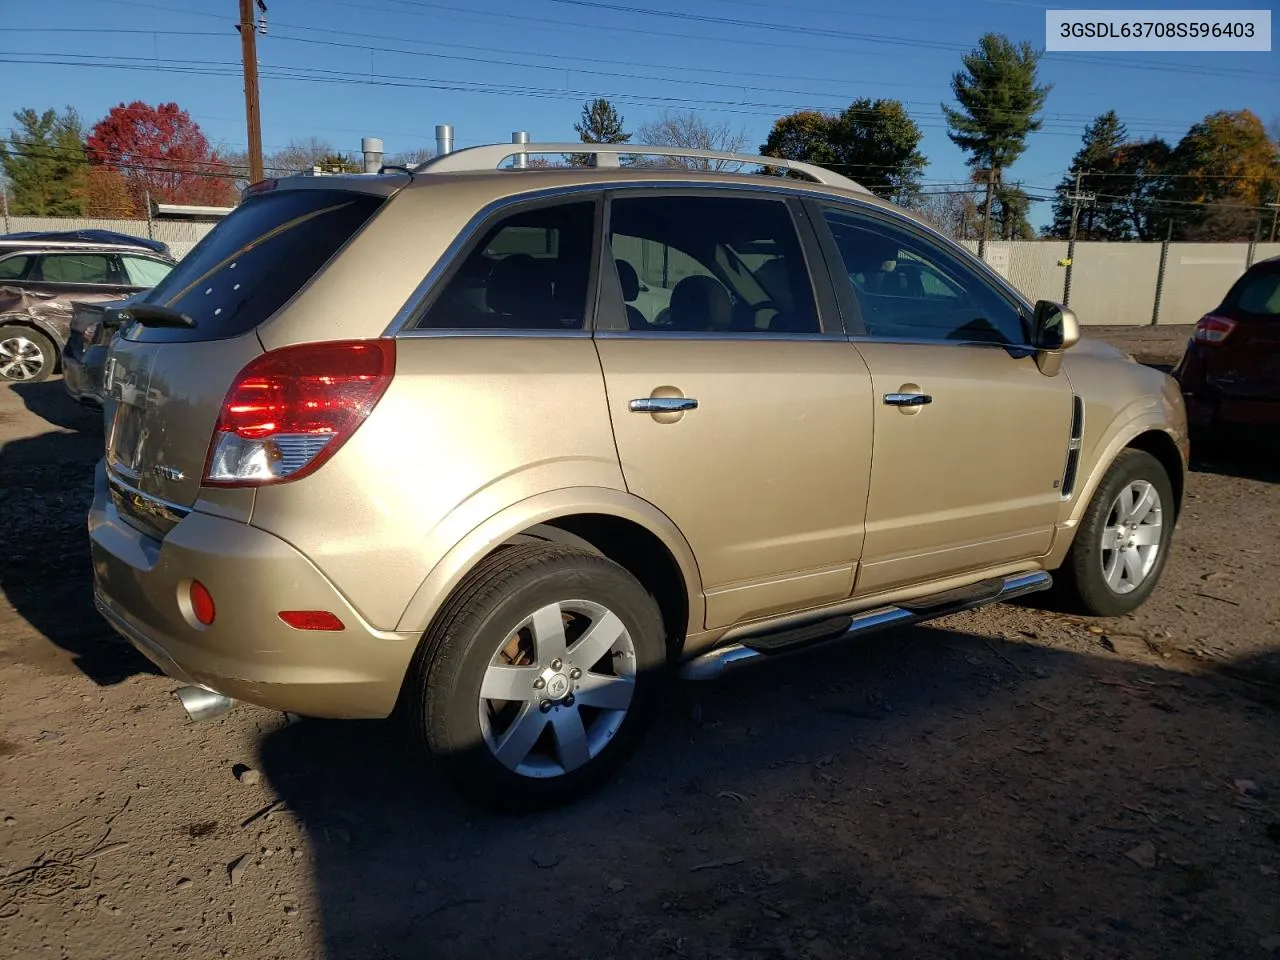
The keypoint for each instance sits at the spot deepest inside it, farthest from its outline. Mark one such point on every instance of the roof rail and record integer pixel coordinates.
(491, 157)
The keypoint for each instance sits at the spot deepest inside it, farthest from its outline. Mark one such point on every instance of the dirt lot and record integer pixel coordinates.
(1005, 783)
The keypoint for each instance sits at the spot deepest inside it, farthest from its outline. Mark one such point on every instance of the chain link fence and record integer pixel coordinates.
(180, 235)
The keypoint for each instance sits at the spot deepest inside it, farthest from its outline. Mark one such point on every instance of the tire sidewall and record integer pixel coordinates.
(1091, 584)
(451, 704)
(41, 340)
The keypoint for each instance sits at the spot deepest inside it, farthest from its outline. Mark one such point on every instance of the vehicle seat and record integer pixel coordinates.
(520, 291)
(630, 281)
(700, 303)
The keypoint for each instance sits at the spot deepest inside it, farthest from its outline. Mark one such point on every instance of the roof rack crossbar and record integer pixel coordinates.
(492, 156)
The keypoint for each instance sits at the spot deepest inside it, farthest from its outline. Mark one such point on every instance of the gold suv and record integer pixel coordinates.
(506, 447)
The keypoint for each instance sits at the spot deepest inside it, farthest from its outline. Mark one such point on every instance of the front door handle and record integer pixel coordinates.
(907, 399)
(663, 404)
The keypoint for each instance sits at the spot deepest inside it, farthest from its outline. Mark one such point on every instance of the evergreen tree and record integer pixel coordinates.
(1097, 160)
(600, 123)
(999, 100)
(44, 162)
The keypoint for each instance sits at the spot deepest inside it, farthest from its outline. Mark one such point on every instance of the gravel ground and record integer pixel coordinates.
(1010, 782)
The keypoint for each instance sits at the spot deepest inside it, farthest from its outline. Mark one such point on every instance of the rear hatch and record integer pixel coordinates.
(182, 343)
(1246, 363)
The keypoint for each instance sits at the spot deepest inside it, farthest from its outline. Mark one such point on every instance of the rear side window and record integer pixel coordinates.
(145, 272)
(255, 260)
(13, 268)
(1258, 291)
(529, 272)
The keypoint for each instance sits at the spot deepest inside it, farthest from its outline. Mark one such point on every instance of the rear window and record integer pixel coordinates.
(255, 260)
(1258, 291)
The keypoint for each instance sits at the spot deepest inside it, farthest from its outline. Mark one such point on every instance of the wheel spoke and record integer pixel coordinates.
(508, 683)
(548, 634)
(597, 641)
(1115, 570)
(571, 738)
(605, 692)
(1109, 537)
(1133, 566)
(1145, 503)
(1147, 535)
(521, 736)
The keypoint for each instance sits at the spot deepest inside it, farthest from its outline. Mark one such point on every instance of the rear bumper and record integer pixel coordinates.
(80, 376)
(247, 653)
(1213, 410)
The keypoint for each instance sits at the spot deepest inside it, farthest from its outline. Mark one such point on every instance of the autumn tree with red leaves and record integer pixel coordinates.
(162, 152)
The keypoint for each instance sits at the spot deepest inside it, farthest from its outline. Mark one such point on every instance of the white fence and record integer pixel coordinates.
(1111, 283)
(180, 235)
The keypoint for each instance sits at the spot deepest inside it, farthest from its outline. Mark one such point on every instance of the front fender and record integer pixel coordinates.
(1161, 412)
(542, 508)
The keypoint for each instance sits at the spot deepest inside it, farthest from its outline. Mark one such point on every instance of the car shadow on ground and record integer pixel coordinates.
(1240, 459)
(924, 793)
(46, 573)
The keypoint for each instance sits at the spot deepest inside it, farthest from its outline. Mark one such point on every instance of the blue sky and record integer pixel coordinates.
(395, 68)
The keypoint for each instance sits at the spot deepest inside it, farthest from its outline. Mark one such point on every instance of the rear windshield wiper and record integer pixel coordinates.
(155, 315)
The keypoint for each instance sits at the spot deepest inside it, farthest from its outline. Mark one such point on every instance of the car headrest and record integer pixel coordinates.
(629, 279)
(700, 303)
(519, 287)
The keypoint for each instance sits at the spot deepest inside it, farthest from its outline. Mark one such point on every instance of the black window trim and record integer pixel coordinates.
(854, 323)
(815, 266)
(468, 240)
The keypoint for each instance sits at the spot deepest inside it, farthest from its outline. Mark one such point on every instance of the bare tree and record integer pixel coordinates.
(299, 156)
(687, 129)
(955, 213)
(409, 158)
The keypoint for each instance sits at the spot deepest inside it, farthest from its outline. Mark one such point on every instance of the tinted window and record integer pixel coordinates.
(711, 264)
(144, 272)
(1258, 291)
(255, 259)
(75, 268)
(529, 272)
(908, 287)
(13, 268)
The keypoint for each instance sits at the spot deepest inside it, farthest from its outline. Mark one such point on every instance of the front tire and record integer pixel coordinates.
(539, 676)
(26, 355)
(1123, 542)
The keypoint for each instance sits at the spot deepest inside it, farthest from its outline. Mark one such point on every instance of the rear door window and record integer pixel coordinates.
(255, 260)
(75, 268)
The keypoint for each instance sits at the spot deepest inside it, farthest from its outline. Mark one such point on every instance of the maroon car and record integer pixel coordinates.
(41, 279)
(1230, 371)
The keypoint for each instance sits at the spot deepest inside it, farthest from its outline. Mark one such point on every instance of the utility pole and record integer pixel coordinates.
(1275, 217)
(1076, 199)
(986, 213)
(249, 54)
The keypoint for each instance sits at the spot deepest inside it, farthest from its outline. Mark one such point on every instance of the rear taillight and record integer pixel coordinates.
(289, 410)
(1213, 329)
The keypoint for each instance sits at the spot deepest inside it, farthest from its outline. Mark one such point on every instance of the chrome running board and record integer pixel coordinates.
(714, 663)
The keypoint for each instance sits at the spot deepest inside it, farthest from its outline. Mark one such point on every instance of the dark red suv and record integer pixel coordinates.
(1230, 371)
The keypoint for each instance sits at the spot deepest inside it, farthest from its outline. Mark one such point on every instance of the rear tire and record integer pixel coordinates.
(26, 355)
(539, 676)
(1122, 545)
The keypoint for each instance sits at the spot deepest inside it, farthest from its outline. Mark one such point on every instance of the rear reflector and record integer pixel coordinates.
(201, 603)
(1213, 329)
(290, 410)
(311, 620)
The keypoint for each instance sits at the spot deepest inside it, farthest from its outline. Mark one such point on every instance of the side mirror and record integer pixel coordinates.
(1053, 329)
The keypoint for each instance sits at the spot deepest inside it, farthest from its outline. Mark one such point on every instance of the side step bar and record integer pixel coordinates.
(714, 663)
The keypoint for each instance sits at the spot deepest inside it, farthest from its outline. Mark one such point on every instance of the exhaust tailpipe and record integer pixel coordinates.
(202, 703)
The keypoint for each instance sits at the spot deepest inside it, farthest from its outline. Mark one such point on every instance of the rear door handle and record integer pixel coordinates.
(663, 404)
(907, 399)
